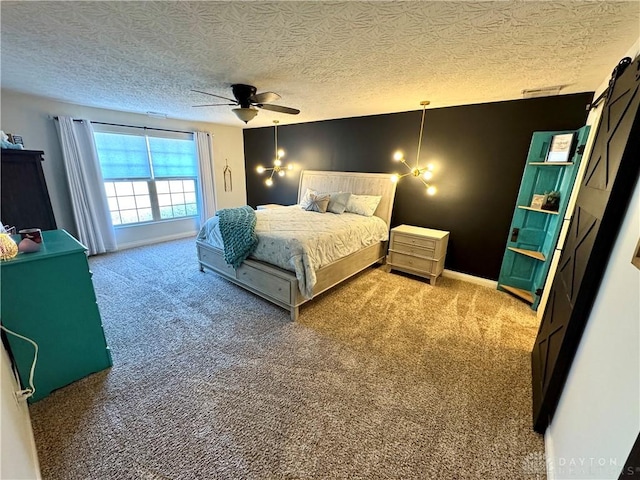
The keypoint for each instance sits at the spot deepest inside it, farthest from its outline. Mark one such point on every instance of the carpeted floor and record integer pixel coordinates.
(383, 377)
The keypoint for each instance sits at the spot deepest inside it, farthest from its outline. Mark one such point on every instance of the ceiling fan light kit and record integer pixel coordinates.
(421, 173)
(248, 102)
(245, 114)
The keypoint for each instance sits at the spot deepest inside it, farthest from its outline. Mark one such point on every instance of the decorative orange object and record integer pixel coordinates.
(8, 248)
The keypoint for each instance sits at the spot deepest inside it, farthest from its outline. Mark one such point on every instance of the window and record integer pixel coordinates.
(148, 177)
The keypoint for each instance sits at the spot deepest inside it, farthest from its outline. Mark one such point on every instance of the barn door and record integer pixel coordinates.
(602, 201)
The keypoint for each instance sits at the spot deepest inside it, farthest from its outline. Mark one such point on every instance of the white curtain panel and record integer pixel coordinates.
(207, 184)
(88, 198)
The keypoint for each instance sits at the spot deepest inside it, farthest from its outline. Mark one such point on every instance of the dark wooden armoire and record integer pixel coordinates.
(24, 195)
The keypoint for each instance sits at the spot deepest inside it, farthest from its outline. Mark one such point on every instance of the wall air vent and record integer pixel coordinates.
(156, 115)
(542, 92)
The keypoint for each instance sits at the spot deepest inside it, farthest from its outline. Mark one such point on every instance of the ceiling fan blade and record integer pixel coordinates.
(280, 109)
(265, 97)
(214, 95)
(215, 105)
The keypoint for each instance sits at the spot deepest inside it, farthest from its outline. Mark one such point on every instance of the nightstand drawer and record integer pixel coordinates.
(413, 263)
(413, 250)
(412, 240)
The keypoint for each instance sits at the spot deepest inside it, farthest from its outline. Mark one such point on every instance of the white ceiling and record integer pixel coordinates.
(328, 59)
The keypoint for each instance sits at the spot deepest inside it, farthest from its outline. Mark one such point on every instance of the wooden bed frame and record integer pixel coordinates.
(280, 286)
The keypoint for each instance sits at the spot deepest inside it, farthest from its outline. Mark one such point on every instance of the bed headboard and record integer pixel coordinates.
(353, 182)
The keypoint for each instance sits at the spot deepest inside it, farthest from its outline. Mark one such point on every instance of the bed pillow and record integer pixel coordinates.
(363, 204)
(305, 201)
(318, 202)
(338, 202)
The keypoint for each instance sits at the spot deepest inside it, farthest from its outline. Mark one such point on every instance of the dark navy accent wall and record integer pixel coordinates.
(478, 151)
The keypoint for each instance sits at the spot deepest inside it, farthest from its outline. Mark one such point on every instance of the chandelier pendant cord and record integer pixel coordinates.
(273, 170)
(276, 135)
(424, 108)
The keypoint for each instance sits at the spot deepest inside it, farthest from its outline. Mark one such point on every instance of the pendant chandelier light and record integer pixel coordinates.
(278, 167)
(424, 174)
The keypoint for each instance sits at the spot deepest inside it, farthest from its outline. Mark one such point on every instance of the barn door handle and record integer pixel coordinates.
(514, 234)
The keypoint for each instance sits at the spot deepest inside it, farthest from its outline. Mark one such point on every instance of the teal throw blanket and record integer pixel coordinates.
(237, 226)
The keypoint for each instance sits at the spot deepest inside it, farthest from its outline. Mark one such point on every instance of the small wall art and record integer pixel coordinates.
(560, 149)
(537, 201)
(17, 139)
(228, 184)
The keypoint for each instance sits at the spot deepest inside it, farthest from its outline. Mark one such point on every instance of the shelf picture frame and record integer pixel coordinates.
(560, 148)
(537, 201)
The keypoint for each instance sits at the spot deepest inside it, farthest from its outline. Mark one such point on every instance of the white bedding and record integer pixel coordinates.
(303, 242)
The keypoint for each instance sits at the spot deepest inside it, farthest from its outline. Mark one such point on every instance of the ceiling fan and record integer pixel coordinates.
(249, 101)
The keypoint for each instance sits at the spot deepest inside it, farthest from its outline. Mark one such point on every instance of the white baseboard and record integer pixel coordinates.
(485, 282)
(151, 241)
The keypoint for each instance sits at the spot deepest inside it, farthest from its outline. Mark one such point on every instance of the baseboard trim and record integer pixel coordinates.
(485, 282)
(151, 241)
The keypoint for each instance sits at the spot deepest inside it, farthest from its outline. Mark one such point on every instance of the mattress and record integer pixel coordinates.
(302, 241)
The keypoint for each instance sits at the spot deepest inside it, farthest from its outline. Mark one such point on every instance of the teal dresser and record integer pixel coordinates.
(48, 296)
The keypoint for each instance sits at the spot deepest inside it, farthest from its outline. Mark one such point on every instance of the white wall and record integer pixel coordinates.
(598, 416)
(18, 458)
(29, 116)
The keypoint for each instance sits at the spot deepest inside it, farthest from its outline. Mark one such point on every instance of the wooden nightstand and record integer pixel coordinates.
(419, 251)
(268, 206)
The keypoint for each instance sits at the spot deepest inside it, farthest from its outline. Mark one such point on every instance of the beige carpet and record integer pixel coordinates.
(383, 377)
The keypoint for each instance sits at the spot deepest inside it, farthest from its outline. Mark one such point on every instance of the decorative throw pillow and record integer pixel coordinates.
(306, 198)
(338, 202)
(363, 204)
(318, 203)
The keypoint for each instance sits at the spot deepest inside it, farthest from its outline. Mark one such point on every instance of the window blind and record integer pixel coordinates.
(126, 156)
(122, 156)
(173, 158)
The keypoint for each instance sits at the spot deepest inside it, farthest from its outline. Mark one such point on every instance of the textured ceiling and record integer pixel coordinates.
(328, 59)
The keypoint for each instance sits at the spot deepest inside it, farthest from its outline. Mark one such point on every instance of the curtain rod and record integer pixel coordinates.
(145, 128)
(129, 126)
